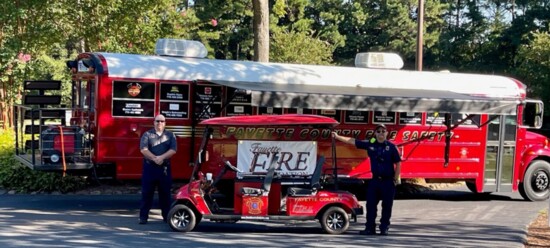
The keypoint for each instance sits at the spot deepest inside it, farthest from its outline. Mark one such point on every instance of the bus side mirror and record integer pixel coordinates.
(532, 114)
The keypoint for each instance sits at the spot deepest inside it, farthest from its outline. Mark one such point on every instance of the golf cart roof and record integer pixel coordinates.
(271, 120)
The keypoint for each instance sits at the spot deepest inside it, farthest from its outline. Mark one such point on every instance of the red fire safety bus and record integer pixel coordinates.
(449, 126)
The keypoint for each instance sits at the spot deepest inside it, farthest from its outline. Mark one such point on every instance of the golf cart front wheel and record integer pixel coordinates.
(181, 218)
(335, 220)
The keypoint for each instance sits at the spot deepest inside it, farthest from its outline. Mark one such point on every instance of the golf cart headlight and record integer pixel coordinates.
(54, 158)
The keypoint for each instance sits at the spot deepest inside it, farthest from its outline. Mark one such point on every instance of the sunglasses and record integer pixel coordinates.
(159, 121)
(381, 131)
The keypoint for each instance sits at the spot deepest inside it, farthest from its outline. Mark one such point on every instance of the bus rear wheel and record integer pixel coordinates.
(535, 186)
(472, 187)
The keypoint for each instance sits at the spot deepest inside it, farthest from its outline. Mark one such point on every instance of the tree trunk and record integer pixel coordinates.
(458, 6)
(261, 30)
(3, 116)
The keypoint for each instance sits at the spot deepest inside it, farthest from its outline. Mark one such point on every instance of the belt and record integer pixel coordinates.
(151, 162)
(382, 178)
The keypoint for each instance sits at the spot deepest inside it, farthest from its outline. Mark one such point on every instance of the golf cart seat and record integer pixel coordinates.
(314, 183)
(266, 186)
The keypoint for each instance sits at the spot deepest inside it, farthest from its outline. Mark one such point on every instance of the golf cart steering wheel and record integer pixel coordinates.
(233, 168)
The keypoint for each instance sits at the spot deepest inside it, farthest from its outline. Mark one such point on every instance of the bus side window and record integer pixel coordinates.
(90, 96)
(509, 130)
(82, 94)
(85, 97)
(511, 127)
(493, 129)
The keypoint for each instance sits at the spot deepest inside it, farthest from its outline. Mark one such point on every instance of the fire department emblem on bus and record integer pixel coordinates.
(134, 89)
(254, 205)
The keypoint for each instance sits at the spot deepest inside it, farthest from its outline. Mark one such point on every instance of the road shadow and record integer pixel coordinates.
(111, 221)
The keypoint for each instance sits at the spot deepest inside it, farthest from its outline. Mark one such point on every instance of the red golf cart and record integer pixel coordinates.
(278, 174)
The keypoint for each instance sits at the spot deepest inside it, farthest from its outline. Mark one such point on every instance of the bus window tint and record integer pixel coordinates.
(510, 129)
(493, 128)
(89, 102)
(473, 121)
(82, 95)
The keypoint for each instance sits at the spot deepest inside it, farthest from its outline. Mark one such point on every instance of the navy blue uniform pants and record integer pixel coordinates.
(153, 177)
(379, 190)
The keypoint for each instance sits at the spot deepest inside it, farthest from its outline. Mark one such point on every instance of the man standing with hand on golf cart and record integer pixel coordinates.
(386, 170)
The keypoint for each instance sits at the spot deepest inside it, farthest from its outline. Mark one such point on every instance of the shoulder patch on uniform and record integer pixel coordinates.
(372, 140)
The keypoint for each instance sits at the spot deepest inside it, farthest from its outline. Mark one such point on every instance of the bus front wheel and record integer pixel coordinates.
(536, 181)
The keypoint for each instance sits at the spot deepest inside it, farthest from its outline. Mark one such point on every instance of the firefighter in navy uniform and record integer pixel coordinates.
(157, 146)
(386, 170)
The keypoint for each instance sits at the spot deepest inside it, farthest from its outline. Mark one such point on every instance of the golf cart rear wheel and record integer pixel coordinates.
(335, 220)
(181, 218)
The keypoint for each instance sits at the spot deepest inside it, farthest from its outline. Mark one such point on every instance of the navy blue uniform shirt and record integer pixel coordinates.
(382, 156)
(158, 144)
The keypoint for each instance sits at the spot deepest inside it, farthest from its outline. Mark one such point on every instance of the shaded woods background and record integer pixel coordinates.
(505, 37)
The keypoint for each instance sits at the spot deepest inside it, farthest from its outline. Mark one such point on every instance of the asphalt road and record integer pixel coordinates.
(442, 218)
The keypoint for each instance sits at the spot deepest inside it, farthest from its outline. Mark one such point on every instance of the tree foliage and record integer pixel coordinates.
(37, 37)
(486, 36)
(299, 47)
(533, 61)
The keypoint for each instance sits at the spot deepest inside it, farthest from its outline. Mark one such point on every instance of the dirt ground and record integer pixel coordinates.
(538, 233)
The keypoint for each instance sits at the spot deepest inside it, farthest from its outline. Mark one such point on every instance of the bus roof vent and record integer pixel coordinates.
(180, 48)
(379, 61)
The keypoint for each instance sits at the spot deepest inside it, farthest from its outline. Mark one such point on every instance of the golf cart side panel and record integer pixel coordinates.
(312, 205)
(274, 197)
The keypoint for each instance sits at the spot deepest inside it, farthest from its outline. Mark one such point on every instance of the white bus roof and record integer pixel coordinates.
(332, 87)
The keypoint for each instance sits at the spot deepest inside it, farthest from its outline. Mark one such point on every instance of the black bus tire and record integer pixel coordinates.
(471, 186)
(536, 181)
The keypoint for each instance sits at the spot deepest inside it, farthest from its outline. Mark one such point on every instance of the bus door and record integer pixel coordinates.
(499, 156)
(83, 103)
